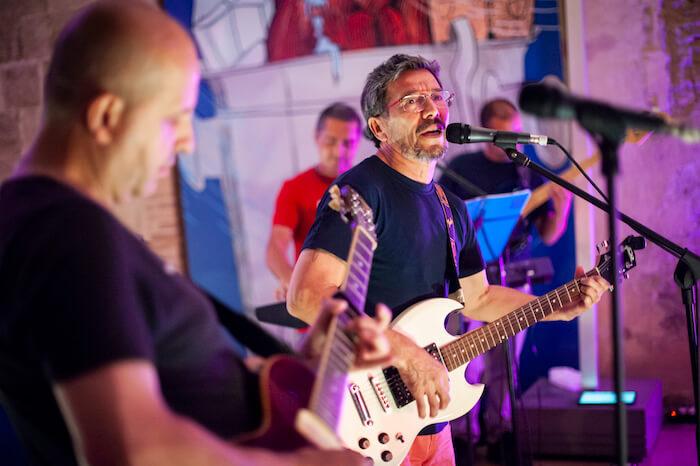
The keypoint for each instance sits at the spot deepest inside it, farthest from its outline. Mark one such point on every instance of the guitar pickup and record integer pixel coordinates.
(359, 402)
(381, 393)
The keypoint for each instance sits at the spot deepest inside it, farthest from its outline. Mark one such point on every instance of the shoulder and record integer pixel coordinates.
(57, 214)
(367, 178)
(298, 180)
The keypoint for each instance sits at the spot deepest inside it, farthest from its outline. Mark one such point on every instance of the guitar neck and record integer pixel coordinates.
(477, 342)
(339, 352)
(543, 192)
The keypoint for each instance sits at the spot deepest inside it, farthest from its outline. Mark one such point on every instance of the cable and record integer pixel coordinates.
(583, 172)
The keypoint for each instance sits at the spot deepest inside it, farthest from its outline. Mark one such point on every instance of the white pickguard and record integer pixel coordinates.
(423, 323)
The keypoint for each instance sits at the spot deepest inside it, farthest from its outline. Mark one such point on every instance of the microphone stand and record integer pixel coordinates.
(508, 349)
(686, 275)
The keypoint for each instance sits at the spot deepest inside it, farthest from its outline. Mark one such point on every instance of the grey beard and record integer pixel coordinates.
(415, 153)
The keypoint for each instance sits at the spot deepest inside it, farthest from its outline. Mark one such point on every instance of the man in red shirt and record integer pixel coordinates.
(338, 132)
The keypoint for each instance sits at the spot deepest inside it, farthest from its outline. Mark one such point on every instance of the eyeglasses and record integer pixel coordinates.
(415, 103)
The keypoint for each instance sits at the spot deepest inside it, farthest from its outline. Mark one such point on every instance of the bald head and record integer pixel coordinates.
(122, 47)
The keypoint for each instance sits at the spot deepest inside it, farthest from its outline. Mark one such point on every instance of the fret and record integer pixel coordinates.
(356, 287)
(487, 328)
(575, 290)
(551, 308)
(358, 273)
(530, 311)
(510, 322)
(480, 340)
(518, 319)
(542, 312)
(498, 326)
(367, 245)
(526, 311)
(473, 347)
(561, 297)
(535, 306)
(467, 353)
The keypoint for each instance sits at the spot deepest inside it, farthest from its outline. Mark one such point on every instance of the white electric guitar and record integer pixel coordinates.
(379, 418)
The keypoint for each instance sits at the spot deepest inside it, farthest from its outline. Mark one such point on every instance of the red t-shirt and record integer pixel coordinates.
(297, 201)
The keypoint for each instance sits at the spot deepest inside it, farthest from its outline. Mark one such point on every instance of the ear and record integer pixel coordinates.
(376, 126)
(103, 115)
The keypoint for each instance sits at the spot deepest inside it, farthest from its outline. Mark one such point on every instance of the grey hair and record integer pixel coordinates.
(373, 98)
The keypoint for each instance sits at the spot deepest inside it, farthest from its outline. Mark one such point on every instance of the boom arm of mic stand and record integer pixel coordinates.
(688, 257)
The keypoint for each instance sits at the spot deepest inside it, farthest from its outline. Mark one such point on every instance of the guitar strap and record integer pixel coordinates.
(450, 224)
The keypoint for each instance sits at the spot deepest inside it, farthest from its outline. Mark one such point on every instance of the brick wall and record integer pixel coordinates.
(28, 29)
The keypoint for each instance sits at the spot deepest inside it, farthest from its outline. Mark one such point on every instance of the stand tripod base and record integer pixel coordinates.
(554, 424)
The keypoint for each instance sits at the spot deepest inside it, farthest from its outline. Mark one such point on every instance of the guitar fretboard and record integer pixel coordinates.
(336, 360)
(472, 344)
(477, 342)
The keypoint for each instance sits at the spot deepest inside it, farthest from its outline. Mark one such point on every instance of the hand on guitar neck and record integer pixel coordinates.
(371, 342)
(591, 289)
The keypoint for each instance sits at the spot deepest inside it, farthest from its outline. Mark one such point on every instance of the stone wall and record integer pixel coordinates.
(646, 54)
(28, 29)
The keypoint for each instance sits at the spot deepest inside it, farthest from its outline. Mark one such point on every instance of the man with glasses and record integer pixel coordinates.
(407, 110)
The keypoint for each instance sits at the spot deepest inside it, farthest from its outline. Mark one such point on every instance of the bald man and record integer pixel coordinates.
(106, 357)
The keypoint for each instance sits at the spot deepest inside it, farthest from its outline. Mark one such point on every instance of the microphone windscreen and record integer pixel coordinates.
(455, 134)
(545, 100)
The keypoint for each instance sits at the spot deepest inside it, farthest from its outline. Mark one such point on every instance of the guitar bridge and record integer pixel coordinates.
(359, 402)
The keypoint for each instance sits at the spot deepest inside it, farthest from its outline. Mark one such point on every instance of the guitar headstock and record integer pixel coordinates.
(352, 209)
(627, 261)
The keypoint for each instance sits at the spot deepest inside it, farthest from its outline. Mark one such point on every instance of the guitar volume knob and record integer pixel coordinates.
(363, 443)
(383, 438)
(387, 456)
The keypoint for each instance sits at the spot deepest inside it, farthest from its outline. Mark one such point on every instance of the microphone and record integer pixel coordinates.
(459, 133)
(551, 101)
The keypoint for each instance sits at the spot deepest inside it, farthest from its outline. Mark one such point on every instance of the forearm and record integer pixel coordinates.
(495, 302)
(279, 264)
(553, 226)
(317, 275)
(305, 302)
(183, 442)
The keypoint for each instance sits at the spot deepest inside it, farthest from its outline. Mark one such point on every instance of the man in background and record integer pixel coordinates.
(337, 136)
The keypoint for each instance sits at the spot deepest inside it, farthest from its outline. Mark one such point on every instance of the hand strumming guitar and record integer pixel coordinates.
(423, 375)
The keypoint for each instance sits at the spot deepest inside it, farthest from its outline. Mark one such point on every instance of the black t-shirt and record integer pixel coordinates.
(411, 262)
(79, 291)
(497, 178)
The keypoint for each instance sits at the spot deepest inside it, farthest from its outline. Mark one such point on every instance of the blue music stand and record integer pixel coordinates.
(495, 217)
